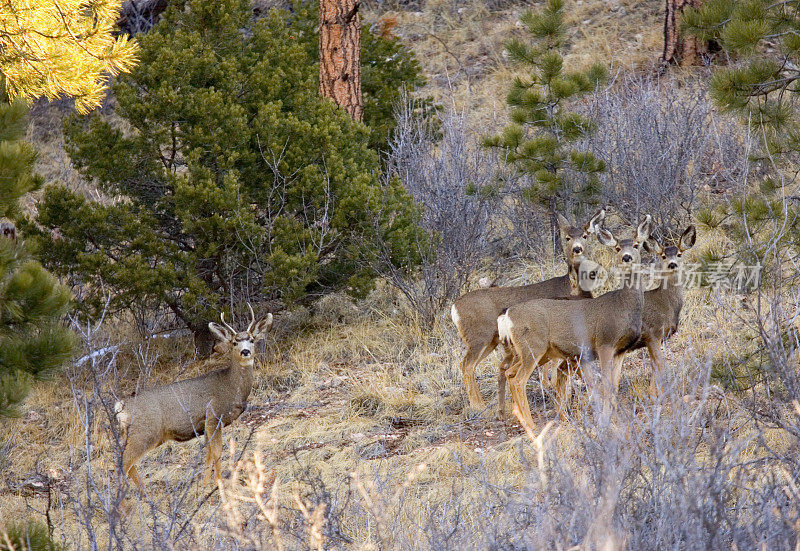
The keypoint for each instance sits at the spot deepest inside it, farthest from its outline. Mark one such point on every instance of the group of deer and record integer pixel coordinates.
(535, 323)
(558, 319)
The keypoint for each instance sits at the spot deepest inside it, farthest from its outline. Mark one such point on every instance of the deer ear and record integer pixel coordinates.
(652, 246)
(222, 347)
(644, 229)
(688, 238)
(262, 327)
(596, 222)
(222, 333)
(606, 237)
(563, 223)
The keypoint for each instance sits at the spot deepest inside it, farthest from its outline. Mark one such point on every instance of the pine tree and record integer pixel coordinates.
(389, 70)
(33, 341)
(540, 141)
(762, 42)
(28, 536)
(62, 48)
(763, 39)
(340, 55)
(234, 177)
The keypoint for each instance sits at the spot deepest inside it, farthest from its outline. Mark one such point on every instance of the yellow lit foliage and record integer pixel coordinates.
(55, 48)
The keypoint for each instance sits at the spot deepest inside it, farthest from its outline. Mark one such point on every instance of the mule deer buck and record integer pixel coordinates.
(475, 313)
(187, 409)
(541, 330)
(662, 305)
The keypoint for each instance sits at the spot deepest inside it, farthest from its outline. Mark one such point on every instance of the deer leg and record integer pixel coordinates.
(519, 381)
(134, 450)
(656, 353)
(617, 374)
(133, 474)
(609, 380)
(216, 446)
(471, 359)
(508, 358)
(563, 389)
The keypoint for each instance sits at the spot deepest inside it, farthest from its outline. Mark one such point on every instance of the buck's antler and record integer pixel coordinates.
(252, 318)
(225, 323)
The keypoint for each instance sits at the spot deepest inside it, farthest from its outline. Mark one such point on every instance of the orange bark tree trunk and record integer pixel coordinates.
(678, 49)
(340, 54)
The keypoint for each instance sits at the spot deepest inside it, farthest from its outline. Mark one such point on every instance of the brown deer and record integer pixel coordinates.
(662, 305)
(475, 313)
(187, 409)
(604, 327)
(661, 311)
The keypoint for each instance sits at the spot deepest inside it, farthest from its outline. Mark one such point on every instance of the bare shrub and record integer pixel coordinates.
(765, 236)
(139, 16)
(665, 148)
(452, 180)
(653, 483)
(695, 479)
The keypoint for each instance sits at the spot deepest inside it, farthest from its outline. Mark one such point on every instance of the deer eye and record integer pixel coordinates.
(568, 238)
(664, 256)
(679, 255)
(635, 245)
(618, 249)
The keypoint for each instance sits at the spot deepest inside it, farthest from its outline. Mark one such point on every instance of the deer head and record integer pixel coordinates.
(671, 255)
(629, 251)
(575, 238)
(241, 344)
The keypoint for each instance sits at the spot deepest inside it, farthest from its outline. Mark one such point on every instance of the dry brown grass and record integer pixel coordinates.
(373, 395)
(461, 45)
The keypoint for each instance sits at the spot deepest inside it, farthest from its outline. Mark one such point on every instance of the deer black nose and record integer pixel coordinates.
(577, 250)
(245, 352)
(627, 257)
(672, 265)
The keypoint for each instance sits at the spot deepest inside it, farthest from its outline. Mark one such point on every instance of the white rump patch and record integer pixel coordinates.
(455, 316)
(504, 326)
(123, 417)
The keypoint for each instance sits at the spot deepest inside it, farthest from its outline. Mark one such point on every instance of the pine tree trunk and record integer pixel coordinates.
(555, 232)
(203, 339)
(681, 50)
(340, 54)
